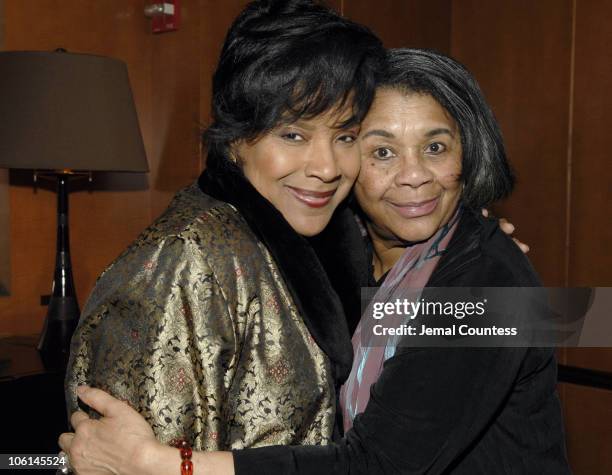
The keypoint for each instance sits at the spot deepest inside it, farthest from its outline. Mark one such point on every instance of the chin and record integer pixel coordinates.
(309, 227)
(418, 233)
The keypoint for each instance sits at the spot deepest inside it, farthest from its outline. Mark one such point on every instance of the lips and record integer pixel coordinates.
(415, 209)
(314, 199)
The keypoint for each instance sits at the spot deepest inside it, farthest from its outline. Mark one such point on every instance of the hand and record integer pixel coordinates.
(114, 444)
(507, 227)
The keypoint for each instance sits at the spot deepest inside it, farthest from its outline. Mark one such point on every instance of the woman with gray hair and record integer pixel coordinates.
(432, 155)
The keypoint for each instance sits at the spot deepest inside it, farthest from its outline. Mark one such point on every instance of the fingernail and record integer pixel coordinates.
(82, 390)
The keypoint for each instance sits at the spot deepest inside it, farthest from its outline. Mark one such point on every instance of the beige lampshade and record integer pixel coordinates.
(61, 110)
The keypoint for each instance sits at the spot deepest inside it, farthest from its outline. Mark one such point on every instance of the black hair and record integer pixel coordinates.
(486, 174)
(285, 60)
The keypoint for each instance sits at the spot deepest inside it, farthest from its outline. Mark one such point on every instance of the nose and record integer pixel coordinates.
(413, 172)
(322, 162)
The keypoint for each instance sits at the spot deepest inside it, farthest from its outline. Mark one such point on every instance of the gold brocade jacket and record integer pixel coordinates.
(195, 328)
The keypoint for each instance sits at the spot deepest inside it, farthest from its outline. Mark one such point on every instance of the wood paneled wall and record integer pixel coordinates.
(516, 73)
(588, 412)
(590, 257)
(411, 23)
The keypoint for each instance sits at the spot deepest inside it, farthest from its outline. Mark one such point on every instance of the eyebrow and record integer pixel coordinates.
(298, 123)
(389, 135)
(379, 133)
(304, 124)
(439, 131)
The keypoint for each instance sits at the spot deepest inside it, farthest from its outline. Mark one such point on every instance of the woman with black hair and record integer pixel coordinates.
(432, 155)
(218, 324)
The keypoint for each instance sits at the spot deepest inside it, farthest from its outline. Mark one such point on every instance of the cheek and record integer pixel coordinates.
(371, 184)
(266, 167)
(349, 165)
(450, 182)
(448, 175)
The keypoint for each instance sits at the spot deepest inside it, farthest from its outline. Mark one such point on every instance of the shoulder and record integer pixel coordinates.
(495, 260)
(195, 217)
(196, 233)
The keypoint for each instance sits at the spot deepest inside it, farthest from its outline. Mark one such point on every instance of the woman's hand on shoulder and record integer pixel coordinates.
(509, 228)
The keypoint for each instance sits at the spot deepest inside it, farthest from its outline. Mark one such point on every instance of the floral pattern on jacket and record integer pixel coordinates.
(195, 328)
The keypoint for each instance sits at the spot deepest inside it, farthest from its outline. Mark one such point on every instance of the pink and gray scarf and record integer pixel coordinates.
(412, 271)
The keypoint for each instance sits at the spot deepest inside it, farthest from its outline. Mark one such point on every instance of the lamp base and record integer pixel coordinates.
(63, 310)
(60, 323)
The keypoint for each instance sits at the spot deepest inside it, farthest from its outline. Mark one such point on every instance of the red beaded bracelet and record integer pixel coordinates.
(186, 463)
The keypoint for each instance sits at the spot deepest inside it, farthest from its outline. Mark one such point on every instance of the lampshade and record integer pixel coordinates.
(61, 110)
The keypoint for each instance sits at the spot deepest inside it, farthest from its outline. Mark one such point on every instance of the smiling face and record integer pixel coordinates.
(305, 169)
(411, 163)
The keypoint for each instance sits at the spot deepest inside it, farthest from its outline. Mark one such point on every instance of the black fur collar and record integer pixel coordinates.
(342, 249)
(297, 261)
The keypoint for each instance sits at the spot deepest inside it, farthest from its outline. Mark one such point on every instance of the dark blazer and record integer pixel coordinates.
(452, 410)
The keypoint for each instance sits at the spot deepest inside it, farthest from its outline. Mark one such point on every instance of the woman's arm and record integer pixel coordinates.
(427, 407)
(425, 410)
(122, 442)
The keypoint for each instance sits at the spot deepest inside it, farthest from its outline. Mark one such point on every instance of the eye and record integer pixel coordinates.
(348, 138)
(383, 153)
(435, 148)
(292, 137)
